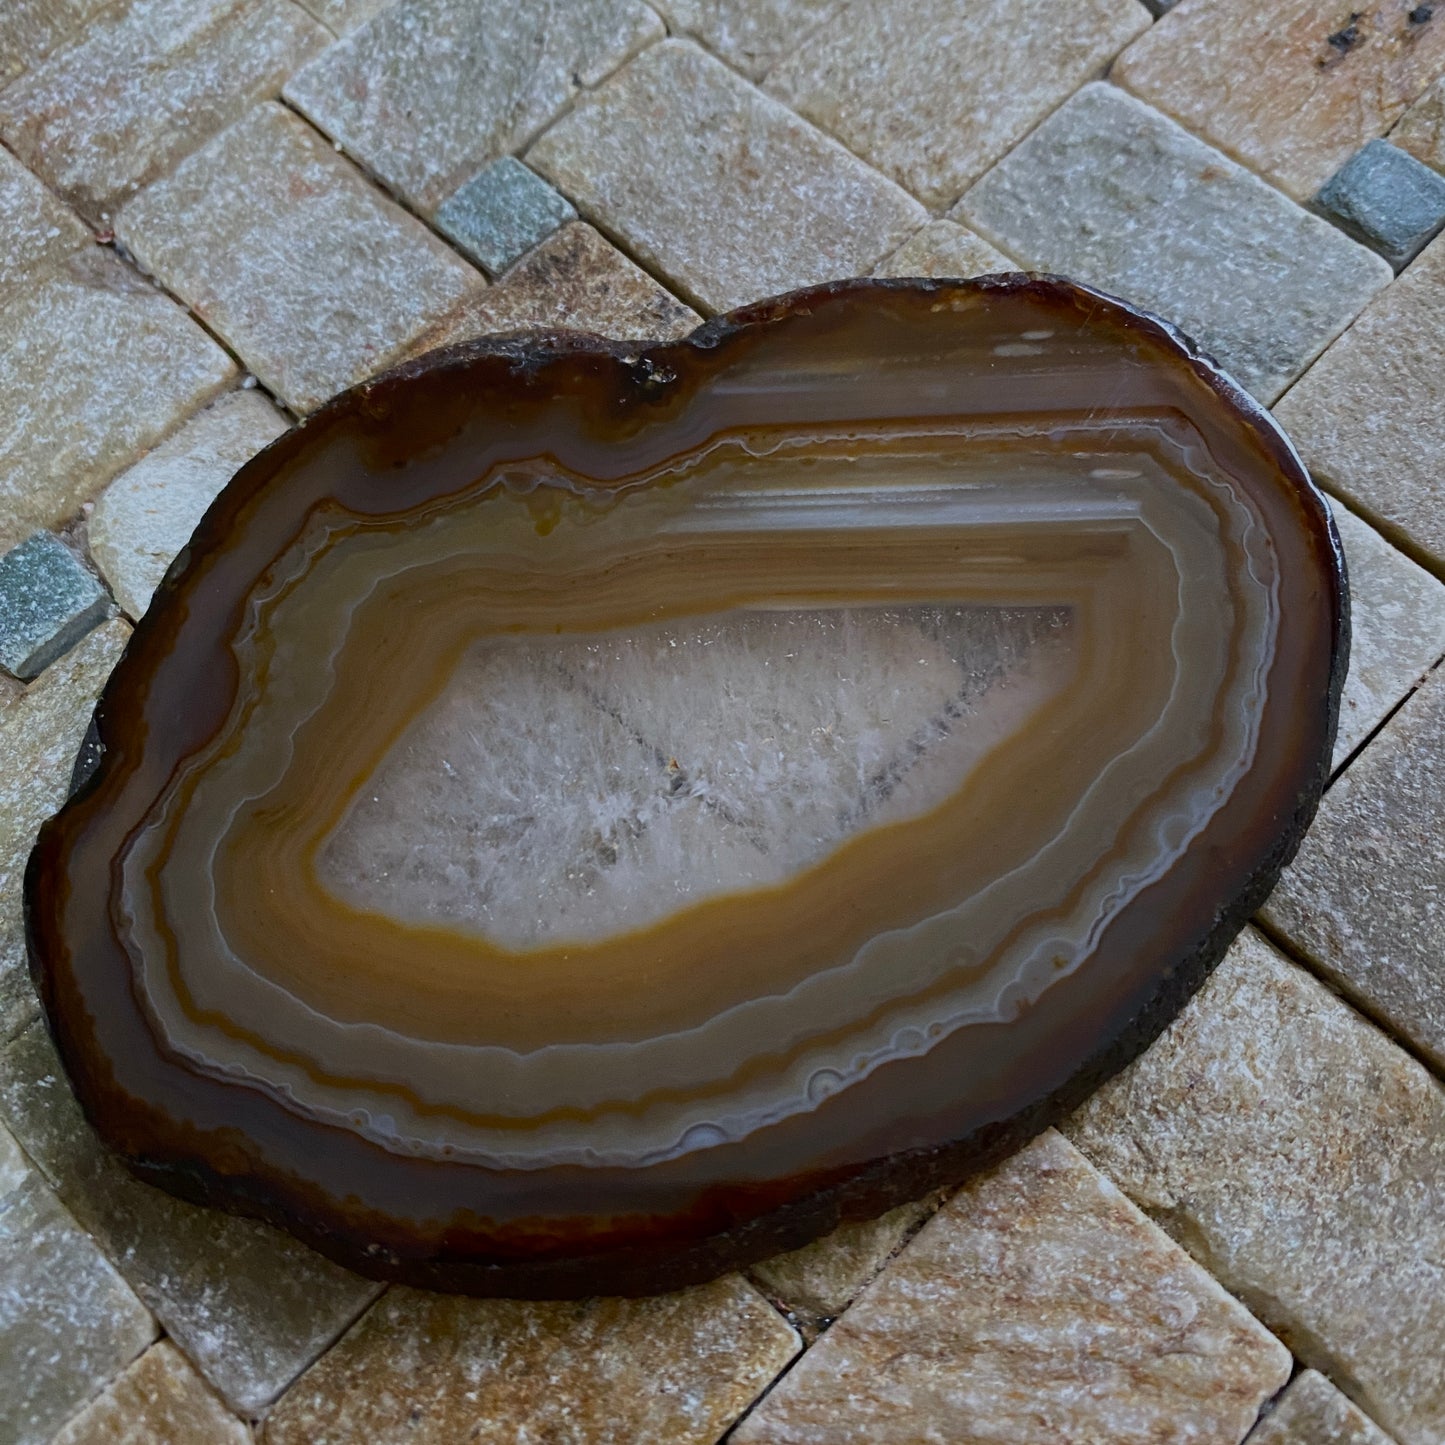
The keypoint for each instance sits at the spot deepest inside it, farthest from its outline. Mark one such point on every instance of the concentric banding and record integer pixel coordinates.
(577, 820)
(984, 944)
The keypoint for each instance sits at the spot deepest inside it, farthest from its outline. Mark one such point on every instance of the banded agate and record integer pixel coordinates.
(578, 819)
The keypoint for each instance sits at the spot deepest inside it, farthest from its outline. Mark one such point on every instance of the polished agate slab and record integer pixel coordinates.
(578, 820)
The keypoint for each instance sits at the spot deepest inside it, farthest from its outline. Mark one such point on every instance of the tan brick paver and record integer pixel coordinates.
(1037, 1306)
(31, 29)
(1312, 1412)
(1422, 131)
(39, 736)
(433, 1369)
(574, 280)
(429, 92)
(817, 1283)
(307, 271)
(160, 1398)
(95, 366)
(933, 92)
(944, 248)
(146, 85)
(1363, 898)
(36, 230)
(148, 513)
(751, 35)
(1397, 629)
(1292, 89)
(67, 1320)
(250, 1306)
(1367, 417)
(1115, 194)
(688, 164)
(1300, 1156)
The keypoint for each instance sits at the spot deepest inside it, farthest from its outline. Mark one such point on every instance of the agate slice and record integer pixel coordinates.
(576, 820)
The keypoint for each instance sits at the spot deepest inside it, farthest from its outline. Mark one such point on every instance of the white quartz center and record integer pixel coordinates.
(588, 785)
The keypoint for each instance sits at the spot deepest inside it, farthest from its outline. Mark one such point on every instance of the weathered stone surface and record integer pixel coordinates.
(14, 1166)
(48, 602)
(1292, 89)
(578, 281)
(1312, 1412)
(1038, 1305)
(249, 1305)
(751, 35)
(312, 276)
(1363, 895)
(148, 513)
(343, 16)
(36, 231)
(159, 1400)
(146, 85)
(432, 1369)
(1387, 199)
(1422, 131)
(817, 1283)
(724, 191)
(432, 90)
(39, 736)
(1300, 1156)
(944, 248)
(1112, 193)
(1397, 629)
(910, 84)
(503, 211)
(95, 366)
(31, 29)
(1364, 417)
(68, 1321)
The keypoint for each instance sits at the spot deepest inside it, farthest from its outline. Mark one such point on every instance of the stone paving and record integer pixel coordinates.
(216, 213)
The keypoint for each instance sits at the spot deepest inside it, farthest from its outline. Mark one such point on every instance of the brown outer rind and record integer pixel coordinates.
(722, 1227)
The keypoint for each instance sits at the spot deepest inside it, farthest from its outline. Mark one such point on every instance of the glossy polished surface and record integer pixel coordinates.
(577, 820)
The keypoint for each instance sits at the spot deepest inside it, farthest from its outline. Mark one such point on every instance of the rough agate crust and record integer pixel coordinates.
(576, 820)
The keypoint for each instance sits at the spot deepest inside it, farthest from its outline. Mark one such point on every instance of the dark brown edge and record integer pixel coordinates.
(886, 1182)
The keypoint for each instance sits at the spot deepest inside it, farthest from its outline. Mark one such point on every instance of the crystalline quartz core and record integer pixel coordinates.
(575, 789)
(578, 820)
